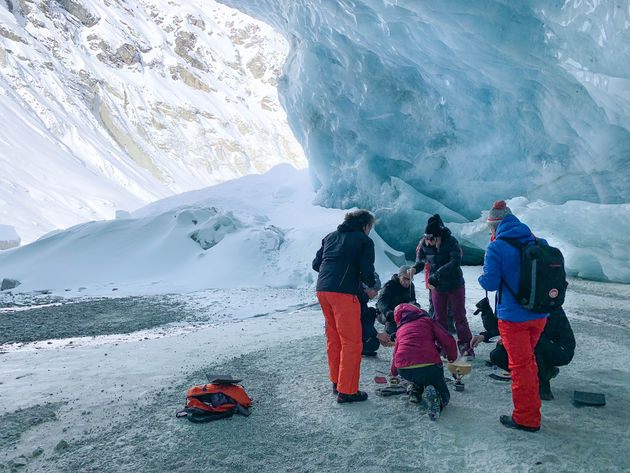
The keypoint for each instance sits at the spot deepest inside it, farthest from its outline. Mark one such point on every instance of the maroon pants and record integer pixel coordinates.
(520, 339)
(455, 299)
(343, 339)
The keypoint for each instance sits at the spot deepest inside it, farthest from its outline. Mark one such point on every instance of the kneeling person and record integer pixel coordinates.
(417, 358)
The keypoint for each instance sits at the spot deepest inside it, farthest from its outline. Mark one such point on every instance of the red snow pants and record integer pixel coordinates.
(519, 339)
(343, 338)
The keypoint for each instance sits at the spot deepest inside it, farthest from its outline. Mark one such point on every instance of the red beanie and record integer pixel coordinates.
(498, 211)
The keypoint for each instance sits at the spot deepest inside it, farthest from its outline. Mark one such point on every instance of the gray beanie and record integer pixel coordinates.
(497, 212)
(403, 270)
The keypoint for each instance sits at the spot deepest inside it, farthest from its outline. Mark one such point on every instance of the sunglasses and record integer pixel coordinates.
(429, 237)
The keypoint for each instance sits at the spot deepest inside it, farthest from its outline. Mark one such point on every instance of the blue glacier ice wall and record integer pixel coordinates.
(412, 107)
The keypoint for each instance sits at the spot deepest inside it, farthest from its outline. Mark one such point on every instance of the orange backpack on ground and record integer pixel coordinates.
(219, 399)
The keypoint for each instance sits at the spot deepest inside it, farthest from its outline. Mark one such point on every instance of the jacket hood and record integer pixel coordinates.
(512, 227)
(404, 313)
(351, 226)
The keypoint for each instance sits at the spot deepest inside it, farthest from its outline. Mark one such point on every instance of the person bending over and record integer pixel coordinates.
(446, 280)
(345, 259)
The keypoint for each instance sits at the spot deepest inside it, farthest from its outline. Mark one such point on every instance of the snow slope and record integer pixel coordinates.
(256, 231)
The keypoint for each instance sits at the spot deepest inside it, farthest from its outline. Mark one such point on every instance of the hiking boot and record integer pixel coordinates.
(546, 395)
(414, 393)
(335, 392)
(432, 402)
(509, 422)
(368, 353)
(356, 397)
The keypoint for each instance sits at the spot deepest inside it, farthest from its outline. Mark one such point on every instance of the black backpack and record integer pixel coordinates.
(543, 282)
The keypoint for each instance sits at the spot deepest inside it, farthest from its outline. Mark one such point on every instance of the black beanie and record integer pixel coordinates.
(434, 226)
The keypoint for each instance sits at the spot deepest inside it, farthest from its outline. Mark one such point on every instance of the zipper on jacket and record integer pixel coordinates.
(344, 275)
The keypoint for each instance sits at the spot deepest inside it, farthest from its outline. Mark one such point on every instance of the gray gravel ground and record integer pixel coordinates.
(296, 425)
(54, 319)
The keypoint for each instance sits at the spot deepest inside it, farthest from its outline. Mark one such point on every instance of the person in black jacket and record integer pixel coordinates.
(345, 259)
(398, 290)
(555, 347)
(446, 280)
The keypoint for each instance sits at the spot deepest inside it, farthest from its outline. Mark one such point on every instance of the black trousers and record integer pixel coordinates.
(428, 376)
(370, 342)
(368, 336)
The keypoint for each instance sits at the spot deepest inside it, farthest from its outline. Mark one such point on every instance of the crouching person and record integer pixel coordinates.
(555, 347)
(398, 290)
(417, 358)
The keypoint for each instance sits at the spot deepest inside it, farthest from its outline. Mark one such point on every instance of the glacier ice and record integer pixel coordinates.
(412, 107)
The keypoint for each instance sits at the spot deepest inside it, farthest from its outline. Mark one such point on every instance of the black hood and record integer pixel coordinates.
(350, 227)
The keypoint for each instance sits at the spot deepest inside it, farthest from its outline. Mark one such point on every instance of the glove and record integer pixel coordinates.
(482, 305)
(433, 279)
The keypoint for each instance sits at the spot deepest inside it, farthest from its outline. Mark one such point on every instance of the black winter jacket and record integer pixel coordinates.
(392, 294)
(345, 259)
(558, 332)
(445, 272)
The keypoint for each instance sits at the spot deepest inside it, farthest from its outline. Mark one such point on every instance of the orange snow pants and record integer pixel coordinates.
(343, 338)
(520, 339)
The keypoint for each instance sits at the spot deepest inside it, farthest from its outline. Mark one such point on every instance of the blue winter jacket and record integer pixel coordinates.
(503, 262)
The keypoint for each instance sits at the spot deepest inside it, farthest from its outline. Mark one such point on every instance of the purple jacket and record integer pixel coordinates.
(416, 339)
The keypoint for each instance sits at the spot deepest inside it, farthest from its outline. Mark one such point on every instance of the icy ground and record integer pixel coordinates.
(106, 403)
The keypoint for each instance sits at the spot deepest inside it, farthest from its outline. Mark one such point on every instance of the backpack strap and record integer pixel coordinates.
(515, 243)
(519, 246)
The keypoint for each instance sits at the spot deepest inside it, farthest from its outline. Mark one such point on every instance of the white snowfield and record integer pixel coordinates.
(107, 404)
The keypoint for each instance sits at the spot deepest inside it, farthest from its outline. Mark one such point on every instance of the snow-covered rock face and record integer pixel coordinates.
(411, 108)
(109, 105)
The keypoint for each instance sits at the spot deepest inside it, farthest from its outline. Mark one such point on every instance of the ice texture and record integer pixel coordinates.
(414, 107)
